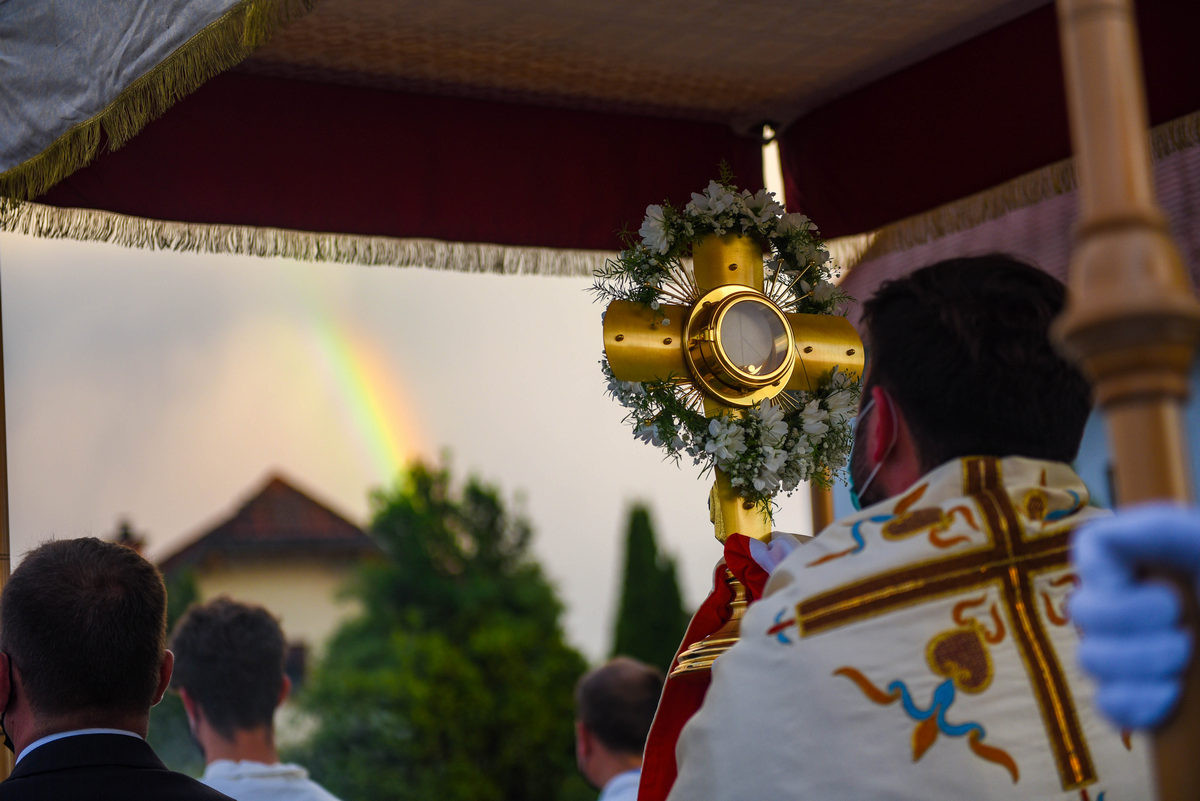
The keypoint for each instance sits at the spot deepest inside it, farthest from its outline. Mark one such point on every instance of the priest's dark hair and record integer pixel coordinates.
(616, 703)
(229, 657)
(963, 348)
(84, 621)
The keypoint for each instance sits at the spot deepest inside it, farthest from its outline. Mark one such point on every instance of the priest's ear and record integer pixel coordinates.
(884, 428)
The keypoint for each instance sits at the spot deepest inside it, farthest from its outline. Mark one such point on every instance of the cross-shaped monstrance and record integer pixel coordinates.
(736, 348)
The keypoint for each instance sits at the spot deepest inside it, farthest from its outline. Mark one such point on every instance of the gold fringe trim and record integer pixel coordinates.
(218, 46)
(51, 222)
(846, 251)
(1018, 193)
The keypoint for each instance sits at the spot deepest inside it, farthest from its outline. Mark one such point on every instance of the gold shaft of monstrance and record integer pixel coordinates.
(699, 344)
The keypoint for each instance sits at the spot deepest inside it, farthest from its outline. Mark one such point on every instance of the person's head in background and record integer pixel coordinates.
(614, 707)
(82, 641)
(229, 671)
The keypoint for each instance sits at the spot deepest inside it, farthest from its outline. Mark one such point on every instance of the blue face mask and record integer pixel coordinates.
(855, 501)
(856, 491)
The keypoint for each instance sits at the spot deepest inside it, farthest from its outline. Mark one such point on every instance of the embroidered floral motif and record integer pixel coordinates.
(1036, 504)
(930, 519)
(996, 633)
(960, 655)
(1056, 608)
(859, 542)
(931, 721)
(779, 630)
(905, 522)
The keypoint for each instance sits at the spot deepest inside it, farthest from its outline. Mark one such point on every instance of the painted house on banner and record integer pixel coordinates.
(286, 551)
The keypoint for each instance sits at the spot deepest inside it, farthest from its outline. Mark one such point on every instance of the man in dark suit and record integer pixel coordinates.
(82, 660)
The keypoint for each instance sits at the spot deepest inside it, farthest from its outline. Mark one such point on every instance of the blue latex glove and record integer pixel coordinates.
(1132, 642)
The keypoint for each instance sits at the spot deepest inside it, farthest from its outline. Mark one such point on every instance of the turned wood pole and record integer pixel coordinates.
(6, 758)
(1132, 320)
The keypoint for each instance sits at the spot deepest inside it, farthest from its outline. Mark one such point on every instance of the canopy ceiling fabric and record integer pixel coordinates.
(548, 126)
(758, 61)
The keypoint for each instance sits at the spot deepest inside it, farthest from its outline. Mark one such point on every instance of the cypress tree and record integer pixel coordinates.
(650, 615)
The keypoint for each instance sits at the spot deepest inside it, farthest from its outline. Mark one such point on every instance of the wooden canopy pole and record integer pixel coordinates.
(1132, 319)
(6, 757)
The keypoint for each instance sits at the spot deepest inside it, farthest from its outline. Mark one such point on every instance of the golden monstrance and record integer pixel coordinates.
(740, 359)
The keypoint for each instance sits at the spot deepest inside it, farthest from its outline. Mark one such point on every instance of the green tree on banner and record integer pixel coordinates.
(650, 616)
(456, 682)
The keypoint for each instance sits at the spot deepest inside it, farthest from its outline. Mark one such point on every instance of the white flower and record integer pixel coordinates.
(840, 403)
(773, 459)
(767, 479)
(666, 321)
(726, 441)
(774, 427)
(815, 419)
(824, 291)
(647, 433)
(715, 200)
(654, 230)
(761, 205)
(799, 469)
(792, 223)
(625, 390)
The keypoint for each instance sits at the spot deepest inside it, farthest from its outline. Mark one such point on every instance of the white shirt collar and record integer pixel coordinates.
(49, 738)
(623, 785)
(224, 769)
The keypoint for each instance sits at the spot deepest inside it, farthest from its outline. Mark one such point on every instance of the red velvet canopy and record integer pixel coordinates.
(252, 150)
(304, 144)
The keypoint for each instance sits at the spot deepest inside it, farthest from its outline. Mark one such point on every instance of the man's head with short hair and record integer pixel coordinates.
(962, 348)
(614, 707)
(229, 658)
(84, 623)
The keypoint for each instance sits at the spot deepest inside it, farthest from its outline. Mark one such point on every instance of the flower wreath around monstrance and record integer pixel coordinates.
(775, 445)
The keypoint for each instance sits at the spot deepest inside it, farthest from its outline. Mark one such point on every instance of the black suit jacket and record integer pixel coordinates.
(100, 767)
